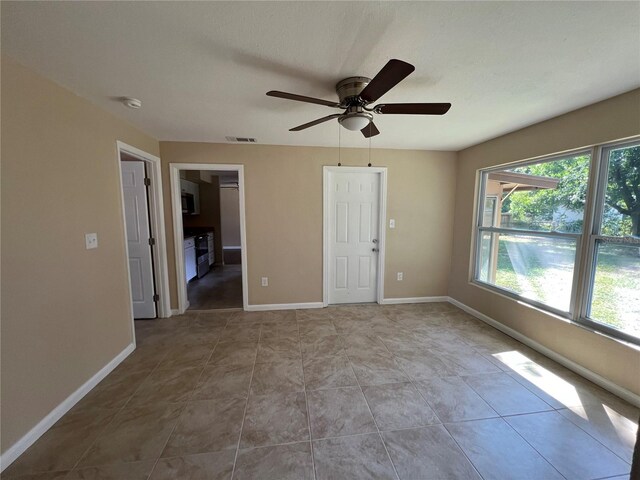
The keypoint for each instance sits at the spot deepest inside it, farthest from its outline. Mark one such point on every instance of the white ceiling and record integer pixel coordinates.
(202, 69)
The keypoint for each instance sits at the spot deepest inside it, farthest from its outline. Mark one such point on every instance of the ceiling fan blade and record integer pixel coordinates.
(315, 122)
(391, 74)
(370, 130)
(413, 108)
(302, 98)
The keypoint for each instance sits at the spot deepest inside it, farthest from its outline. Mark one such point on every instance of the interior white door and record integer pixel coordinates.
(138, 235)
(354, 209)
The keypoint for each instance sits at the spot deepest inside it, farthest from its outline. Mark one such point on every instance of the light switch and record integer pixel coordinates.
(91, 240)
(400, 276)
(265, 281)
(392, 223)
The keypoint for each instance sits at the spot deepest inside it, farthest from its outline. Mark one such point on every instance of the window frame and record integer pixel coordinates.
(599, 184)
(586, 241)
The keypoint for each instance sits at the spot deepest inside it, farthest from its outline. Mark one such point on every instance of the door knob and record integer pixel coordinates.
(374, 250)
(375, 240)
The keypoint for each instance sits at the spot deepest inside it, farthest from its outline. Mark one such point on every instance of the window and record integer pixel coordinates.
(530, 241)
(614, 289)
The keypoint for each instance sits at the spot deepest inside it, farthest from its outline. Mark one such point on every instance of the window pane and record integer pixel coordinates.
(621, 215)
(486, 254)
(535, 267)
(489, 214)
(547, 196)
(615, 300)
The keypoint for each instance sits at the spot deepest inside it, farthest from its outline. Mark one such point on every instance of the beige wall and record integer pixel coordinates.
(616, 118)
(283, 190)
(65, 310)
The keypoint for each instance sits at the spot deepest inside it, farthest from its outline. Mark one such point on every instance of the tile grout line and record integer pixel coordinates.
(412, 381)
(502, 417)
(432, 409)
(395, 470)
(246, 405)
(556, 410)
(414, 386)
(118, 412)
(306, 399)
(534, 448)
(589, 434)
(167, 441)
(155, 464)
(552, 409)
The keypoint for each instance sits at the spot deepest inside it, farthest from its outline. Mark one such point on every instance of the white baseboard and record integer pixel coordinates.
(284, 306)
(394, 301)
(18, 448)
(570, 364)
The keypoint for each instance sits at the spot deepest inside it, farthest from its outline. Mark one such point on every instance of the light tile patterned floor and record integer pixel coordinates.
(406, 391)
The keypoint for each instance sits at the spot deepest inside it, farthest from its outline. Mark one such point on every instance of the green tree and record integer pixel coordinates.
(622, 200)
(623, 188)
(537, 207)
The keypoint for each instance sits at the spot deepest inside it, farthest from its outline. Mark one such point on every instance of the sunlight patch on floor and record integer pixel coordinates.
(539, 377)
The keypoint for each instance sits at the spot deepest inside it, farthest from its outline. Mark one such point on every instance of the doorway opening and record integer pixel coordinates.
(354, 234)
(143, 215)
(208, 215)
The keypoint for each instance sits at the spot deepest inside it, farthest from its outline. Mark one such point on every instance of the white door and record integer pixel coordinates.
(354, 206)
(138, 235)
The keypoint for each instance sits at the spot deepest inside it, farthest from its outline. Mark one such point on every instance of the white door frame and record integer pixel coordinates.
(156, 216)
(178, 236)
(326, 254)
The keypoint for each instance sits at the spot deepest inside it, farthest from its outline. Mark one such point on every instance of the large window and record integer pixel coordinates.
(545, 238)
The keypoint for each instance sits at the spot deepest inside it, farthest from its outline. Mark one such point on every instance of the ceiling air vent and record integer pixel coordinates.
(241, 139)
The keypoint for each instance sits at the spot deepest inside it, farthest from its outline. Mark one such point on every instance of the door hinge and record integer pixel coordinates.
(152, 241)
(156, 298)
(147, 181)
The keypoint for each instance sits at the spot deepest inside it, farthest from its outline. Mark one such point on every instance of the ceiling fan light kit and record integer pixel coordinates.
(356, 93)
(355, 121)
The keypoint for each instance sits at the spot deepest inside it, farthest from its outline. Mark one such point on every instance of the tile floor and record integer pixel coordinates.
(357, 392)
(219, 289)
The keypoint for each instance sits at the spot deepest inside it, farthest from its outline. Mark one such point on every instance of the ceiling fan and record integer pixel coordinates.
(356, 93)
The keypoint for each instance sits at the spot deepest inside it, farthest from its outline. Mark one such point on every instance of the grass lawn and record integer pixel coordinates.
(542, 269)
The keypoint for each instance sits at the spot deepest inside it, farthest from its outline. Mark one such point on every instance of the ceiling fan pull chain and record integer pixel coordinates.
(369, 144)
(339, 136)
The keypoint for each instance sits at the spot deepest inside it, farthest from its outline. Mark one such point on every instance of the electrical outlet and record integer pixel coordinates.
(392, 223)
(91, 240)
(400, 276)
(265, 281)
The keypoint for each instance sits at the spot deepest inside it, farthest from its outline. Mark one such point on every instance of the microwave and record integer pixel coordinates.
(188, 204)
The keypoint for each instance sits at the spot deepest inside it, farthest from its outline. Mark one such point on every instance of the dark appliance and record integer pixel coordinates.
(202, 254)
(188, 204)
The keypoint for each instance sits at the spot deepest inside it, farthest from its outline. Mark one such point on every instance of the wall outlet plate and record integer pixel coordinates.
(400, 276)
(265, 281)
(91, 240)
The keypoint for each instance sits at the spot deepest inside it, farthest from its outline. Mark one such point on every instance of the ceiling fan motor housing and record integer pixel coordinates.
(349, 89)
